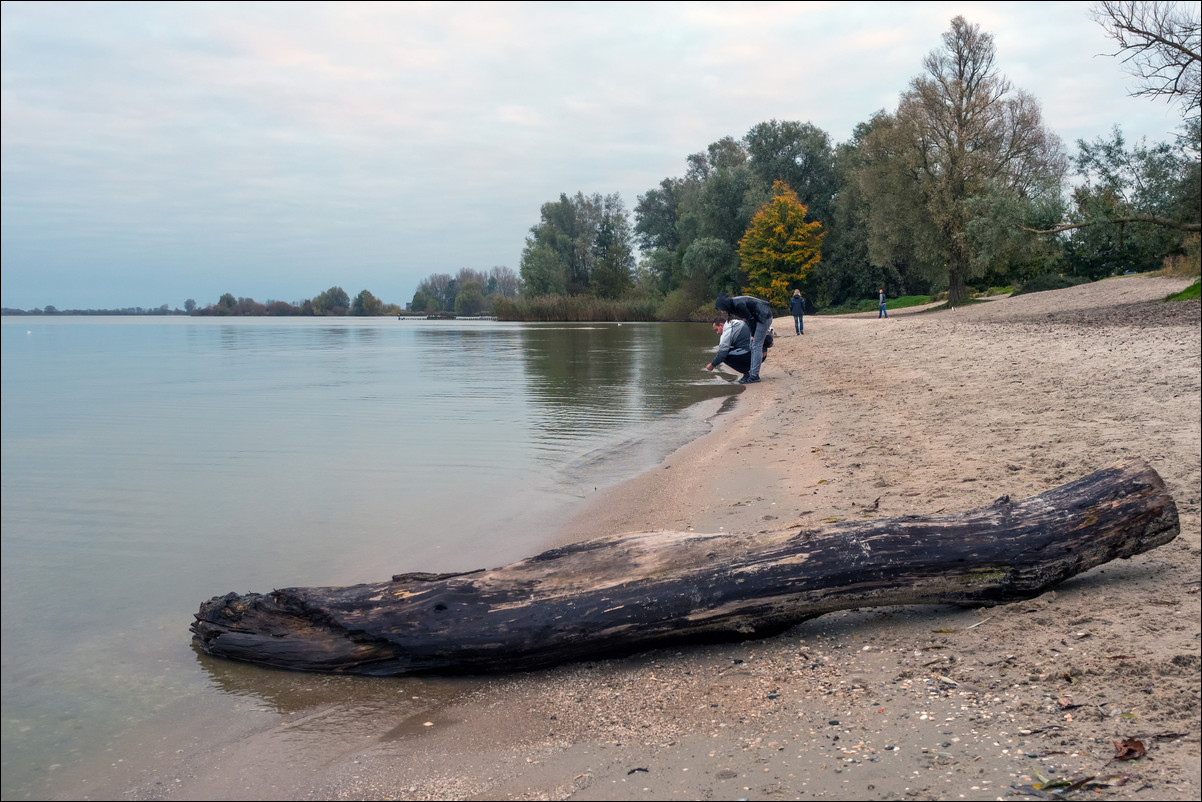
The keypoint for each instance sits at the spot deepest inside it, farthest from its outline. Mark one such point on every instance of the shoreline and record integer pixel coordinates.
(918, 413)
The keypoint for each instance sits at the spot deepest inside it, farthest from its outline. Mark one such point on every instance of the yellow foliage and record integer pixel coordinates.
(779, 247)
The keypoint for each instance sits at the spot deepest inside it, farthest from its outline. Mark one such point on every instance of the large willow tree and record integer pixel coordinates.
(780, 247)
(962, 161)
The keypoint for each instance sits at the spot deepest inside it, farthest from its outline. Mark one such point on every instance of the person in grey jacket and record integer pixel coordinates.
(734, 345)
(757, 314)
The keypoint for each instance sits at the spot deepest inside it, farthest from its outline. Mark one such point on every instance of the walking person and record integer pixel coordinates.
(757, 314)
(881, 311)
(797, 305)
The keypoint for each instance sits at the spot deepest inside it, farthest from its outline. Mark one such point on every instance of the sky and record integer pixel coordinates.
(157, 152)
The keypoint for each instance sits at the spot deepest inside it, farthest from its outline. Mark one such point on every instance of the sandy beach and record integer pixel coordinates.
(924, 412)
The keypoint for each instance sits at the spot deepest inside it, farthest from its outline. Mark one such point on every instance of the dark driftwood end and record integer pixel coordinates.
(624, 593)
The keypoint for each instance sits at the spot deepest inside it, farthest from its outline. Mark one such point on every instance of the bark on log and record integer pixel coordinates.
(616, 595)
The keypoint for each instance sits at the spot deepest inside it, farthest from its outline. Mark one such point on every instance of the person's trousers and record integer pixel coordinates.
(739, 362)
(881, 312)
(798, 324)
(758, 335)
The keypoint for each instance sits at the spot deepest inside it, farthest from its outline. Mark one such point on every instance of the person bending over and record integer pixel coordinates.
(757, 314)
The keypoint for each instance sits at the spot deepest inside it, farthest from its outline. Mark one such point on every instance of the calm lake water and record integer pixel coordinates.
(152, 463)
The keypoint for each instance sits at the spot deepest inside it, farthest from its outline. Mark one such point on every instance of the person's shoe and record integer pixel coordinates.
(749, 380)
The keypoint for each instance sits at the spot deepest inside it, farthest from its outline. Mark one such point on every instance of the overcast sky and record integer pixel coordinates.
(158, 152)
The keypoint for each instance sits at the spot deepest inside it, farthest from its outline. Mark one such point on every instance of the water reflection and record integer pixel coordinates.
(291, 692)
(597, 401)
(623, 382)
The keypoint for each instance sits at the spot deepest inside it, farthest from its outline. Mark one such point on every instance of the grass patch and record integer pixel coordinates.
(871, 305)
(1190, 293)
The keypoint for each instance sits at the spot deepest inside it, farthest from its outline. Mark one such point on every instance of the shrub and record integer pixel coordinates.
(679, 304)
(1187, 263)
(573, 308)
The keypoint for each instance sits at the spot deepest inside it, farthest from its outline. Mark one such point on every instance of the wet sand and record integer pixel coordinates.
(920, 413)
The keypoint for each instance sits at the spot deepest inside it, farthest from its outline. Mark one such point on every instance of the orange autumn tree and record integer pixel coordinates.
(780, 247)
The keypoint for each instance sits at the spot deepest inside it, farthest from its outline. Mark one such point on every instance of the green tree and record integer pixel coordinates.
(333, 301)
(366, 305)
(800, 154)
(657, 215)
(568, 227)
(961, 142)
(1134, 206)
(470, 299)
(576, 237)
(542, 271)
(724, 194)
(614, 262)
(423, 302)
(780, 247)
(709, 264)
(846, 270)
(439, 289)
(467, 274)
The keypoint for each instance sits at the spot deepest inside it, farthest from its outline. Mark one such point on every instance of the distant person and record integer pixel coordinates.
(881, 311)
(734, 344)
(797, 305)
(757, 314)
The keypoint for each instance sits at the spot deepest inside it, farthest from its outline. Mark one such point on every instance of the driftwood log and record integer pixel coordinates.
(620, 594)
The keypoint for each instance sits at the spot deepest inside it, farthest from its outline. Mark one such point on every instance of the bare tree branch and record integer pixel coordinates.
(1160, 43)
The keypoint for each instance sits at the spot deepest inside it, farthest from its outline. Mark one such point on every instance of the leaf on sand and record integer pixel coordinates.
(1064, 786)
(1129, 749)
(1047, 788)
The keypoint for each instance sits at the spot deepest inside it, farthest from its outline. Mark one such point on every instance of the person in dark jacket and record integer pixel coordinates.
(757, 314)
(797, 305)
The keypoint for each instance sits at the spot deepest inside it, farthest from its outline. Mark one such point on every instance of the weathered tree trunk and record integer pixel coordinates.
(615, 595)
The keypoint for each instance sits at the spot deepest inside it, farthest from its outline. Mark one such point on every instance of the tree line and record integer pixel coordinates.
(468, 292)
(962, 187)
(334, 301)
